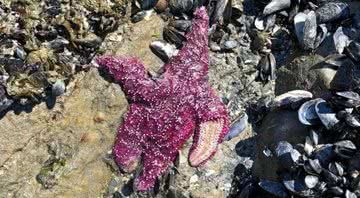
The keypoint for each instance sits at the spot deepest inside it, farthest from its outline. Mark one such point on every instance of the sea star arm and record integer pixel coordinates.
(134, 79)
(127, 148)
(193, 59)
(154, 164)
(213, 125)
(162, 148)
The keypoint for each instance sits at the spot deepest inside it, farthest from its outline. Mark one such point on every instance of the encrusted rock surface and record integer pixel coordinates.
(73, 123)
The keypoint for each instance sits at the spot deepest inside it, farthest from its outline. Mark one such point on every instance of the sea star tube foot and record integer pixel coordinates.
(165, 112)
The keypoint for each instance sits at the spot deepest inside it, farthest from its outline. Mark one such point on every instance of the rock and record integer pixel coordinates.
(25, 138)
(305, 73)
(275, 128)
(136, 42)
(348, 77)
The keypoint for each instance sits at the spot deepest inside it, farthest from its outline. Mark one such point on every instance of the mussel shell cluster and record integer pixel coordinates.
(314, 23)
(43, 43)
(327, 164)
(310, 22)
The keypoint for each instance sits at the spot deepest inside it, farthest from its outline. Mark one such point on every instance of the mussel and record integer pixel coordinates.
(307, 112)
(266, 68)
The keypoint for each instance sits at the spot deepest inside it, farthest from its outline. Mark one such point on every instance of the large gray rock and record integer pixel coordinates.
(307, 73)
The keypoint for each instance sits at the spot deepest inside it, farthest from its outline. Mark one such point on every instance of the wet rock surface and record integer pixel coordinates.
(62, 147)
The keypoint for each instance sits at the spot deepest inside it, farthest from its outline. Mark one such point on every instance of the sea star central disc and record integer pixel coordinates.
(165, 112)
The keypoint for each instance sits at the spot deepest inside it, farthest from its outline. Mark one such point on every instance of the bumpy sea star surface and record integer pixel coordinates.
(165, 112)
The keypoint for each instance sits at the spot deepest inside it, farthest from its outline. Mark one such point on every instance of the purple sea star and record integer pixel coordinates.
(165, 112)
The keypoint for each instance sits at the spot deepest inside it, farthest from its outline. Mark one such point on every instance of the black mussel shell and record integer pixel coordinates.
(313, 167)
(5, 100)
(147, 4)
(326, 114)
(336, 60)
(307, 113)
(349, 194)
(265, 23)
(353, 51)
(237, 127)
(341, 40)
(352, 120)
(221, 13)
(322, 32)
(330, 177)
(295, 186)
(138, 16)
(335, 191)
(306, 30)
(13, 65)
(282, 148)
(333, 11)
(345, 149)
(310, 31)
(171, 35)
(249, 190)
(311, 181)
(314, 137)
(347, 99)
(288, 160)
(292, 99)
(336, 169)
(350, 95)
(163, 50)
(325, 154)
(181, 25)
(275, 6)
(266, 68)
(58, 44)
(356, 20)
(181, 6)
(274, 188)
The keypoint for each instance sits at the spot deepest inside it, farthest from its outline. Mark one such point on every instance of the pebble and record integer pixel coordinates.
(58, 88)
(227, 186)
(214, 47)
(247, 162)
(194, 179)
(89, 137)
(209, 173)
(230, 44)
(99, 117)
